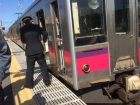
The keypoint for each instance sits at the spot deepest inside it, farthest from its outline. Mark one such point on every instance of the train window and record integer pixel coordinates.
(15, 33)
(19, 25)
(18, 30)
(22, 24)
(139, 15)
(41, 20)
(11, 31)
(122, 16)
(89, 21)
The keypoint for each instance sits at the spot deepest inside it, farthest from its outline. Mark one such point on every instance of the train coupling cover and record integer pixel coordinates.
(130, 91)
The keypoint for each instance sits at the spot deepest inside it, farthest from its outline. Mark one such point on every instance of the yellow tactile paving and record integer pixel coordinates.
(22, 96)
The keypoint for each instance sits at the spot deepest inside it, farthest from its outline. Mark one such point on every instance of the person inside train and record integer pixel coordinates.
(58, 29)
(59, 44)
(5, 62)
(30, 34)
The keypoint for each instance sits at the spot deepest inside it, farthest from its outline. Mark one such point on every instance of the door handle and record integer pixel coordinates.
(130, 36)
(93, 49)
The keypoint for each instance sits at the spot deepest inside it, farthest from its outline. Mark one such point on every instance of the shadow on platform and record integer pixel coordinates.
(18, 94)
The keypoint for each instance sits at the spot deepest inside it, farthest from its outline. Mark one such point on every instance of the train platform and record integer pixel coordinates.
(56, 94)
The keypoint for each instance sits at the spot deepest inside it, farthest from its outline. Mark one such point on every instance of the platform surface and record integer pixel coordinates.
(56, 94)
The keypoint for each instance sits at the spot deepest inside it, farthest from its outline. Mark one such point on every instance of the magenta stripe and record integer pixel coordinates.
(91, 53)
(139, 54)
(96, 63)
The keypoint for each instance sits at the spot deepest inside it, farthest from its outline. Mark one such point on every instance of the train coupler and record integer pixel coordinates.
(127, 97)
(107, 92)
(111, 89)
(130, 90)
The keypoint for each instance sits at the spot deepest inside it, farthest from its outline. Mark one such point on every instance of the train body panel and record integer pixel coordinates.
(98, 47)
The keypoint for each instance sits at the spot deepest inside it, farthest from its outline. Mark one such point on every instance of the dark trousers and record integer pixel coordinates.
(40, 58)
(1, 96)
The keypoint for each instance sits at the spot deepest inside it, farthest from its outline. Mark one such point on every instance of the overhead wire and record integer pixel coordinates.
(1, 17)
(18, 9)
(16, 12)
(25, 5)
(2, 10)
(21, 10)
(0, 6)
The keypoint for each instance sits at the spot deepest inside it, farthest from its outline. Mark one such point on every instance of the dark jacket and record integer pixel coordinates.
(30, 35)
(5, 57)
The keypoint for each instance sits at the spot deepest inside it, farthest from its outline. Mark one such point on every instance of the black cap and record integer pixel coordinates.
(27, 18)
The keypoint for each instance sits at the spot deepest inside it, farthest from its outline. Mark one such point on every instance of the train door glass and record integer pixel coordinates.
(58, 36)
(41, 20)
(41, 23)
(123, 40)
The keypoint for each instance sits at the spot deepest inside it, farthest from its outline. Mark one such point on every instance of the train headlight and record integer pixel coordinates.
(86, 68)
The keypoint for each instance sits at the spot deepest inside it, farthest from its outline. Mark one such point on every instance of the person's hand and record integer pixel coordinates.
(57, 39)
(42, 41)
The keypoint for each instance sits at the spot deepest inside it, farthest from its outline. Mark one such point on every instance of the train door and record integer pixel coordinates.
(123, 35)
(15, 34)
(19, 25)
(139, 16)
(58, 37)
(41, 23)
(12, 35)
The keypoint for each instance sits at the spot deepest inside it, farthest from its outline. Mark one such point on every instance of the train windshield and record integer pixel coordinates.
(89, 21)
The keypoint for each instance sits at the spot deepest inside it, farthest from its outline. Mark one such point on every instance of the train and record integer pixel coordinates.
(97, 53)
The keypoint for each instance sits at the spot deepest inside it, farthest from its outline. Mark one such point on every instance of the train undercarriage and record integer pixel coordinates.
(123, 91)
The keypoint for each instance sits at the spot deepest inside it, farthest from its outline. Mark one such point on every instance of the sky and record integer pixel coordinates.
(8, 8)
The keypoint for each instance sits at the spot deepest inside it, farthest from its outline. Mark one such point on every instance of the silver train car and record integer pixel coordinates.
(98, 49)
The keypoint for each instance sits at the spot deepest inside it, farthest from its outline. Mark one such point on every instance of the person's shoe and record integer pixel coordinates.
(48, 83)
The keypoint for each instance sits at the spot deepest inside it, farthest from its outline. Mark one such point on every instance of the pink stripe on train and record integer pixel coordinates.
(52, 51)
(96, 63)
(67, 57)
(139, 54)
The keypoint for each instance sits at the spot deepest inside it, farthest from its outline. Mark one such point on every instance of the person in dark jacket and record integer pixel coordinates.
(5, 62)
(30, 35)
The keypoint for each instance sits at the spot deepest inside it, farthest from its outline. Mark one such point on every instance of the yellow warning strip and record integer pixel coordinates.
(22, 96)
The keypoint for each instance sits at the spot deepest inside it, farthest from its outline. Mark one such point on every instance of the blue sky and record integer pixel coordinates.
(8, 8)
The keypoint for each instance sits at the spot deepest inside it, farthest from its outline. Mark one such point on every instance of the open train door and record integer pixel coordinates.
(58, 44)
(123, 36)
(41, 23)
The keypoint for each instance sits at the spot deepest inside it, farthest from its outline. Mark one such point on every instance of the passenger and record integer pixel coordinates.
(59, 44)
(5, 62)
(58, 29)
(30, 34)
